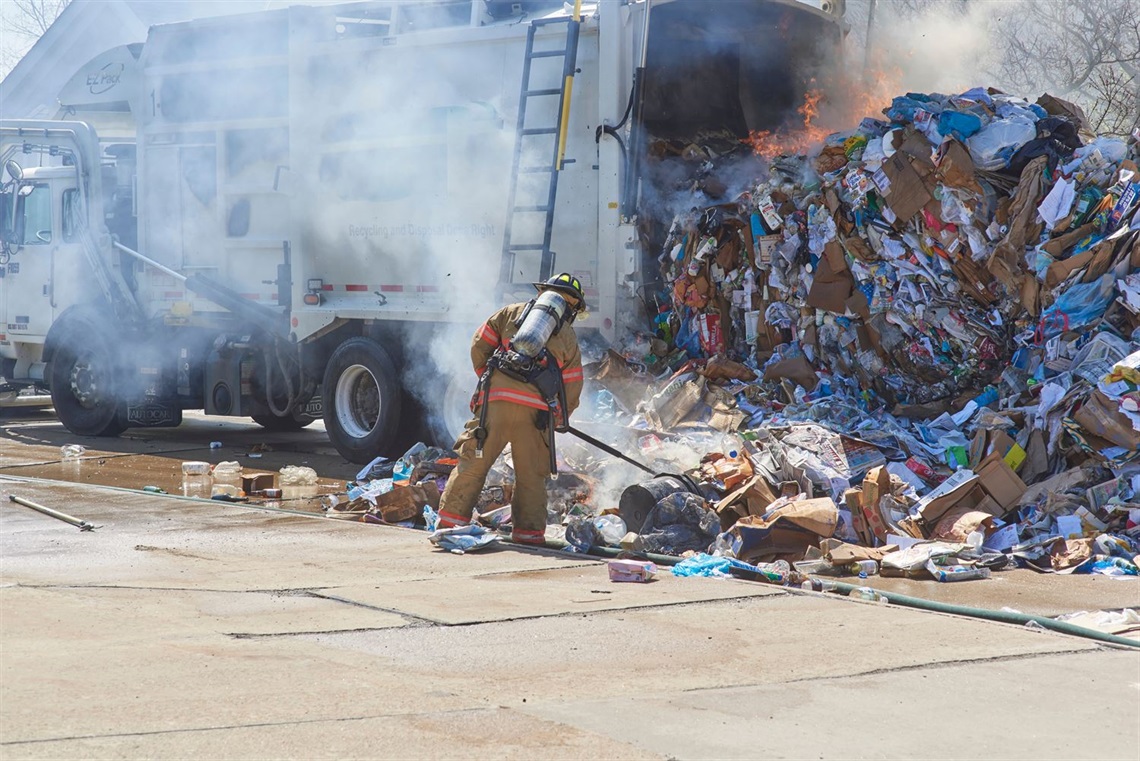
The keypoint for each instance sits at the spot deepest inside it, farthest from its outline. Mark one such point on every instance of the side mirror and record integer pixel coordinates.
(14, 170)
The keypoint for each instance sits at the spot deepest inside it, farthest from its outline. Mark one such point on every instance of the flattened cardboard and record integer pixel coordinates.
(907, 193)
(853, 500)
(966, 495)
(836, 259)
(956, 168)
(797, 370)
(830, 288)
(1059, 272)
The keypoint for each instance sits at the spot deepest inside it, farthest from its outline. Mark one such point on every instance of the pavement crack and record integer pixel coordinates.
(254, 725)
(413, 619)
(904, 669)
(291, 592)
(277, 635)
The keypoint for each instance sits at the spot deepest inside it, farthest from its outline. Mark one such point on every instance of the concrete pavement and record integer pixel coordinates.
(202, 630)
(197, 629)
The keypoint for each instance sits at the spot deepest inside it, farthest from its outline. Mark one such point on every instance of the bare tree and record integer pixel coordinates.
(24, 22)
(1086, 50)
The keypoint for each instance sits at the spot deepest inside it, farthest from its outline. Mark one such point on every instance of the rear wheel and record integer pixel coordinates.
(84, 385)
(361, 400)
(448, 419)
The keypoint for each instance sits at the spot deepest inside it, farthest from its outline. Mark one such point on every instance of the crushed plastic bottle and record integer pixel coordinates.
(611, 528)
(72, 451)
(776, 572)
(228, 469)
(295, 475)
(863, 568)
(868, 594)
(819, 585)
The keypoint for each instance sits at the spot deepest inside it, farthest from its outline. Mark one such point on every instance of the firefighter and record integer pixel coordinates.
(530, 369)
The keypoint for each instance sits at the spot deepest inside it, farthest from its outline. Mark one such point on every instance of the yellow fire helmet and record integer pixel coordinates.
(568, 284)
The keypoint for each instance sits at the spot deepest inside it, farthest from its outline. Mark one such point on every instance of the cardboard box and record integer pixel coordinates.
(406, 502)
(953, 491)
(789, 531)
(753, 496)
(986, 443)
(632, 570)
(876, 485)
(969, 496)
(831, 286)
(1000, 482)
(853, 500)
(257, 480)
(1102, 418)
(765, 247)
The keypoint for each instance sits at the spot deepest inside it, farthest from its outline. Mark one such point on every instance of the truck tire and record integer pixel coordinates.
(361, 400)
(447, 421)
(274, 424)
(84, 379)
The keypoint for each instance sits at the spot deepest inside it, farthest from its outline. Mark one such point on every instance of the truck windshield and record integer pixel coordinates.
(37, 216)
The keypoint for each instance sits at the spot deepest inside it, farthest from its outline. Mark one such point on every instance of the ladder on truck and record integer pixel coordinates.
(534, 199)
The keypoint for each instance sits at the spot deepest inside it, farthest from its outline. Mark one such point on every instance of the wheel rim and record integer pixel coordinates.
(358, 401)
(87, 382)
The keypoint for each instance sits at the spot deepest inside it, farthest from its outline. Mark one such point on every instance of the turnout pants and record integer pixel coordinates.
(512, 424)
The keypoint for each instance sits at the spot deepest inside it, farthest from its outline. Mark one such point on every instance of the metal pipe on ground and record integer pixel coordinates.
(79, 524)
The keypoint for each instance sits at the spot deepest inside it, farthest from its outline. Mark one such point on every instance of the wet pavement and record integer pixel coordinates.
(31, 442)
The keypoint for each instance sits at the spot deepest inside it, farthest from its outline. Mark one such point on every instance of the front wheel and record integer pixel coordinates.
(361, 399)
(84, 381)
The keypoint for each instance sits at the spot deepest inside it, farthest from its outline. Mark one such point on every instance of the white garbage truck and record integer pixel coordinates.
(305, 212)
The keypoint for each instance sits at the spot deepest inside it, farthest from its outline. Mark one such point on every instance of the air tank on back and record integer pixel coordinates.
(540, 323)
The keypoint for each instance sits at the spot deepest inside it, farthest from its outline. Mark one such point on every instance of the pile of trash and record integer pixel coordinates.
(924, 337)
(915, 352)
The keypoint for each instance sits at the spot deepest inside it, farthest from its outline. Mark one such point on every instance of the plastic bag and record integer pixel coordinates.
(293, 475)
(463, 539)
(1078, 306)
(703, 565)
(993, 146)
(582, 534)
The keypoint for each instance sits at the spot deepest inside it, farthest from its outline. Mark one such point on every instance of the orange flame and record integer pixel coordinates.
(853, 99)
(771, 144)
